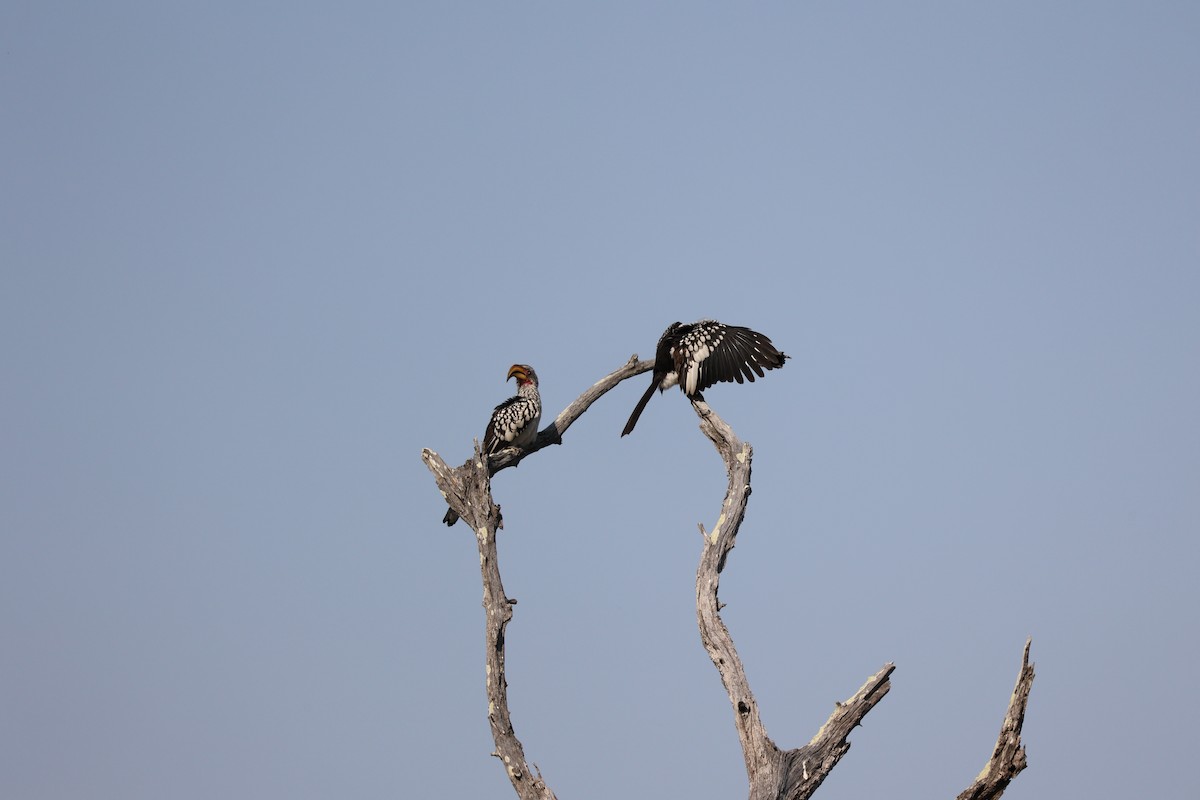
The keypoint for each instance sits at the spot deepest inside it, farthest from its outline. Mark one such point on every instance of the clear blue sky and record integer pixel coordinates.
(256, 256)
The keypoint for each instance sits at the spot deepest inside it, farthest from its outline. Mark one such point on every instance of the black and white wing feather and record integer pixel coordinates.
(713, 353)
(697, 355)
(514, 423)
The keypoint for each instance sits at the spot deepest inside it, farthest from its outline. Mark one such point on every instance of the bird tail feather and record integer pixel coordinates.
(637, 410)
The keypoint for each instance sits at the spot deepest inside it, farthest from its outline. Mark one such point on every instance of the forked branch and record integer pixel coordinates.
(774, 774)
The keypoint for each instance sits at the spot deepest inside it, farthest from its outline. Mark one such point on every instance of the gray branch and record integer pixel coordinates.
(1008, 759)
(472, 481)
(553, 433)
(468, 490)
(795, 774)
(774, 774)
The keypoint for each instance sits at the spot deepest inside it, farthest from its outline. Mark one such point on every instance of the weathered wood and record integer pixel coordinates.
(796, 774)
(773, 774)
(1008, 757)
(467, 489)
(472, 483)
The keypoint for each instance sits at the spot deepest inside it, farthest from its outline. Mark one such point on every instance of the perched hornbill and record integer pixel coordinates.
(699, 354)
(514, 422)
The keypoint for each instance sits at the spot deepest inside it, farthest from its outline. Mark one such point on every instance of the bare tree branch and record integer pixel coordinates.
(483, 515)
(1008, 758)
(451, 483)
(553, 433)
(809, 765)
(468, 491)
(773, 774)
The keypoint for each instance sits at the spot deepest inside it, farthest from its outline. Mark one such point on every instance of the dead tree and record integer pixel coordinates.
(773, 774)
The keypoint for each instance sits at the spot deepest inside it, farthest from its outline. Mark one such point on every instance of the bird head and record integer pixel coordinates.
(523, 373)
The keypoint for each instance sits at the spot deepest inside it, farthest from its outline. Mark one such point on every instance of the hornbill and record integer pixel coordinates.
(514, 422)
(699, 354)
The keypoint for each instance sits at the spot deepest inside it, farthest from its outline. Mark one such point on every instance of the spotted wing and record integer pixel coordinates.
(712, 352)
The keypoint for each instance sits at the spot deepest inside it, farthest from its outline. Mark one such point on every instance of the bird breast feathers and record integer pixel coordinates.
(516, 420)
